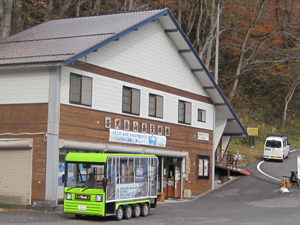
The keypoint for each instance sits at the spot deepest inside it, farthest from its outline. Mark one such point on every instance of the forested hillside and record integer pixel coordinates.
(258, 47)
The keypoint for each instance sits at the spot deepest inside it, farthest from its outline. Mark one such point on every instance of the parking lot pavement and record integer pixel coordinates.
(247, 200)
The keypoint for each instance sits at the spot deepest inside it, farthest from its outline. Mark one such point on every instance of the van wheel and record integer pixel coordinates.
(119, 213)
(282, 159)
(288, 156)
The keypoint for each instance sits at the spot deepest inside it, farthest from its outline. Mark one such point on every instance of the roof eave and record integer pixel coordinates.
(216, 87)
(34, 64)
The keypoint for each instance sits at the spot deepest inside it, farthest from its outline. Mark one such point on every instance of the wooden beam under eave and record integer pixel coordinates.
(184, 51)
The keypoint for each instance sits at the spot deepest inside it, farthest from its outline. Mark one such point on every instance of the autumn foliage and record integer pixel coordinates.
(259, 53)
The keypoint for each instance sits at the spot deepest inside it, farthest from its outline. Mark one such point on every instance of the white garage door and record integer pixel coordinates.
(15, 176)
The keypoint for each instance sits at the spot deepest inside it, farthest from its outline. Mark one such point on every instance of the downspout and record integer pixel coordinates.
(213, 150)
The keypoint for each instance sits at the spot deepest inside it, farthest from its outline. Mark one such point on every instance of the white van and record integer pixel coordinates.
(276, 147)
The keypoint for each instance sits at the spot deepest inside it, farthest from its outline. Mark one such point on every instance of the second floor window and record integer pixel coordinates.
(201, 115)
(131, 101)
(184, 112)
(81, 89)
(155, 106)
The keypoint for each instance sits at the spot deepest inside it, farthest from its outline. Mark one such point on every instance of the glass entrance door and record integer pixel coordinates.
(171, 177)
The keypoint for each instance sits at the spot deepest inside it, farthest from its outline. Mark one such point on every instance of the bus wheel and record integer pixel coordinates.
(128, 212)
(136, 211)
(145, 209)
(119, 213)
(78, 216)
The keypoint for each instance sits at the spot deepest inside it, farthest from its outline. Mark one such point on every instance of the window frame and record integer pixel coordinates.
(201, 161)
(157, 105)
(134, 96)
(85, 90)
(184, 112)
(203, 115)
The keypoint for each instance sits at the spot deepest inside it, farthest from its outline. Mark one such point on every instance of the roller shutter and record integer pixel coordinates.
(15, 176)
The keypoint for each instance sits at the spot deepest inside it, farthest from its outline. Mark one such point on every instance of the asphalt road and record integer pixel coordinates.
(248, 200)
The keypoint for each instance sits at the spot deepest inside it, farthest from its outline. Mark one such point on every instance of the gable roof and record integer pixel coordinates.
(61, 42)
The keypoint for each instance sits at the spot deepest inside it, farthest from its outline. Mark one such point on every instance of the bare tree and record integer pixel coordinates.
(64, 5)
(17, 22)
(79, 3)
(288, 98)
(94, 7)
(5, 28)
(254, 51)
(206, 29)
(1, 17)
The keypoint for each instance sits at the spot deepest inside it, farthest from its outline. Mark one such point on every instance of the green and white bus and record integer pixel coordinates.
(102, 184)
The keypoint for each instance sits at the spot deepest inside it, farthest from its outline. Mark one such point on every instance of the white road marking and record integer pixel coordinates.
(258, 168)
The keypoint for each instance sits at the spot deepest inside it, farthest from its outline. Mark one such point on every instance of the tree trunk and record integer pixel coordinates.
(211, 30)
(243, 49)
(130, 5)
(287, 100)
(1, 17)
(7, 6)
(179, 13)
(17, 24)
(50, 7)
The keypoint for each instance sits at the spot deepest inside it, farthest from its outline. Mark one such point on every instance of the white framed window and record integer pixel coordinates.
(80, 89)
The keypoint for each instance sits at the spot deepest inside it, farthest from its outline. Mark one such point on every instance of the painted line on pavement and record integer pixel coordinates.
(258, 168)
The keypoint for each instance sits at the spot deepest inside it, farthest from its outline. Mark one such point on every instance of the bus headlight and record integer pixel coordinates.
(98, 198)
(68, 196)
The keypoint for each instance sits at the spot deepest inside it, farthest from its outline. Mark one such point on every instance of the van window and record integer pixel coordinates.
(273, 144)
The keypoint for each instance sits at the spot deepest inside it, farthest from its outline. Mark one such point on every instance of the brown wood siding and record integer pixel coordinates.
(88, 125)
(29, 118)
(138, 81)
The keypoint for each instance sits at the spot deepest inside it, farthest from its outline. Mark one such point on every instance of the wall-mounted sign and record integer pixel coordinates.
(203, 136)
(126, 124)
(135, 126)
(117, 124)
(144, 127)
(167, 131)
(159, 130)
(136, 138)
(107, 122)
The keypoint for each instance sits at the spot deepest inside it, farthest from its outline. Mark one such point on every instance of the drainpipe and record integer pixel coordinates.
(213, 150)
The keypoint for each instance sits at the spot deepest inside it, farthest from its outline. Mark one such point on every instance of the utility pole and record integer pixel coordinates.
(217, 46)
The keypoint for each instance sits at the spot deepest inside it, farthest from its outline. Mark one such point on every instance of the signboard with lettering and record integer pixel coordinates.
(137, 138)
(203, 136)
(252, 131)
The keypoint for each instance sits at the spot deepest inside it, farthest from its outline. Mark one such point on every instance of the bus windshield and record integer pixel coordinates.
(84, 175)
(273, 144)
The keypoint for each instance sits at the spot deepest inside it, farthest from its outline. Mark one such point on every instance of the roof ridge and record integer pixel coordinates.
(119, 13)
